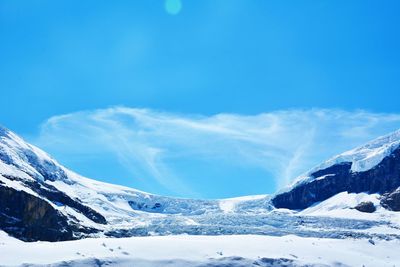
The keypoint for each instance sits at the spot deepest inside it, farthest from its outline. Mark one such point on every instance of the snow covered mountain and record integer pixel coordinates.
(372, 168)
(71, 206)
(42, 200)
(341, 213)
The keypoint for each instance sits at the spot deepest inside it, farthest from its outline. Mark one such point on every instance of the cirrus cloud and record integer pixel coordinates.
(283, 144)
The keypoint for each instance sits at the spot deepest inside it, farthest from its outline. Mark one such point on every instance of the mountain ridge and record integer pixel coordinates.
(373, 168)
(33, 184)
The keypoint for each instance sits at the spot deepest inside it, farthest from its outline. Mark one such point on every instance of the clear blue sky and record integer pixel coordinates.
(194, 57)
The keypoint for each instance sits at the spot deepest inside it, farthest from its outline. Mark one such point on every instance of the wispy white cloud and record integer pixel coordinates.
(285, 143)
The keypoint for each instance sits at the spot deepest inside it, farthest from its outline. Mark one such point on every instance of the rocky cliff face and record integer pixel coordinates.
(391, 200)
(30, 218)
(60, 198)
(383, 178)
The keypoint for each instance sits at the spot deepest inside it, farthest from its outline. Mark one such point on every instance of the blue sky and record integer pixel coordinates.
(178, 73)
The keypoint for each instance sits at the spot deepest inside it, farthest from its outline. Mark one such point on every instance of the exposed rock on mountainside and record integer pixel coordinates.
(391, 200)
(31, 218)
(59, 198)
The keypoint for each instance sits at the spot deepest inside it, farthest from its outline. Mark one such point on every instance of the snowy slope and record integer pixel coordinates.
(244, 250)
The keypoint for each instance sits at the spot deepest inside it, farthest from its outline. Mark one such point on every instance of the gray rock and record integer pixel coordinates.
(366, 206)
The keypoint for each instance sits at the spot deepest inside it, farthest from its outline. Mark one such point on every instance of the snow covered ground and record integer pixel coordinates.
(186, 250)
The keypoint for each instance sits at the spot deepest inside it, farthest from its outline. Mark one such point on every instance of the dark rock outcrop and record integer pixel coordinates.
(391, 201)
(366, 206)
(60, 198)
(383, 178)
(30, 218)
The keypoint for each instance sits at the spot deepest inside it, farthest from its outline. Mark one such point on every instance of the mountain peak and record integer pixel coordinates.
(14, 151)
